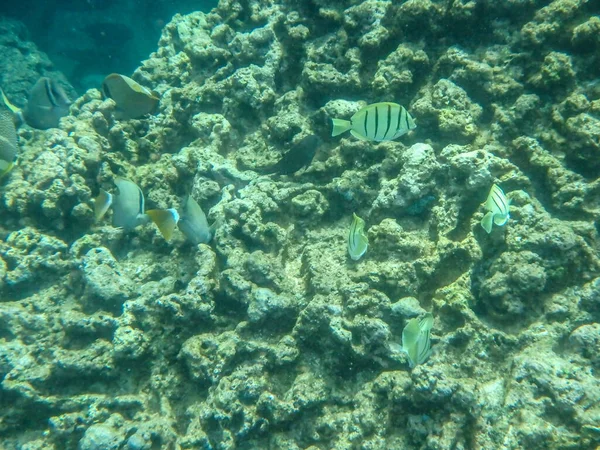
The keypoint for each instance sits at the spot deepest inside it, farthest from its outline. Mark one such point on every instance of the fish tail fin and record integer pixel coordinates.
(500, 219)
(340, 126)
(101, 204)
(5, 168)
(165, 219)
(486, 222)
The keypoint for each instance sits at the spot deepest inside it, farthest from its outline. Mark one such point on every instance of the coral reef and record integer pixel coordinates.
(271, 336)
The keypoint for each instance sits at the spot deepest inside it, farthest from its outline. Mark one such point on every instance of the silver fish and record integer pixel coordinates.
(377, 122)
(193, 223)
(127, 205)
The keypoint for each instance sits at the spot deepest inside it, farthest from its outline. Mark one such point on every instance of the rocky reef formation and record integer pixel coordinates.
(271, 337)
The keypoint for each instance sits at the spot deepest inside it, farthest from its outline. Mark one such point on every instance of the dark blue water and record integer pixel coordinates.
(87, 39)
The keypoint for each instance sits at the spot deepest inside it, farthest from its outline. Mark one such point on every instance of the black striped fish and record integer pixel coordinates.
(497, 206)
(416, 340)
(127, 204)
(377, 122)
(357, 238)
(47, 103)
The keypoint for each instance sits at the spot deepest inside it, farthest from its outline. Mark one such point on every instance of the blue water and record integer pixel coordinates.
(87, 39)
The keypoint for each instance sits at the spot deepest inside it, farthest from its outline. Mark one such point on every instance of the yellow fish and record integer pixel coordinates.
(165, 219)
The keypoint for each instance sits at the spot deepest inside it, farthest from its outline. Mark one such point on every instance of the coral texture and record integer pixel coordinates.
(271, 336)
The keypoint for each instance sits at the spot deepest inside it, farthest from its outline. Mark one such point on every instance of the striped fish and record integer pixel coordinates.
(127, 205)
(498, 209)
(377, 122)
(46, 104)
(357, 238)
(416, 340)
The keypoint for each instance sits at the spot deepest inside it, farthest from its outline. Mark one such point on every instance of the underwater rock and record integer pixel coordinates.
(52, 182)
(551, 23)
(399, 72)
(486, 77)
(585, 339)
(266, 322)
(415, 181)
(32, 257)
(406, 307)
(266, 305)
(102, 436)
(106, 286)
(22, 63)
(129, 343)
(365, 19)
(586, 35)
(310, 205)
(206, 356)
(555, 72)
(449, 108)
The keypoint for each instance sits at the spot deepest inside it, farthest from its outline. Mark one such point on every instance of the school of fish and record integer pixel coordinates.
(377, 122)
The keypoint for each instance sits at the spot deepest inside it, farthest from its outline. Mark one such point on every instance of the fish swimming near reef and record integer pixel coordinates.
(377, 122)
(190, 220)
(132, 99)
(300, 155)
(128, 212)
(416, 340)
(46, 104)
(357, 238)
(8, 141)
(193, 223)
(497, 206)
(127, 205)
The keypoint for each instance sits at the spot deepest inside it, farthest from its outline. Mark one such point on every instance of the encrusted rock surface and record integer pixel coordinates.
(270, 336)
